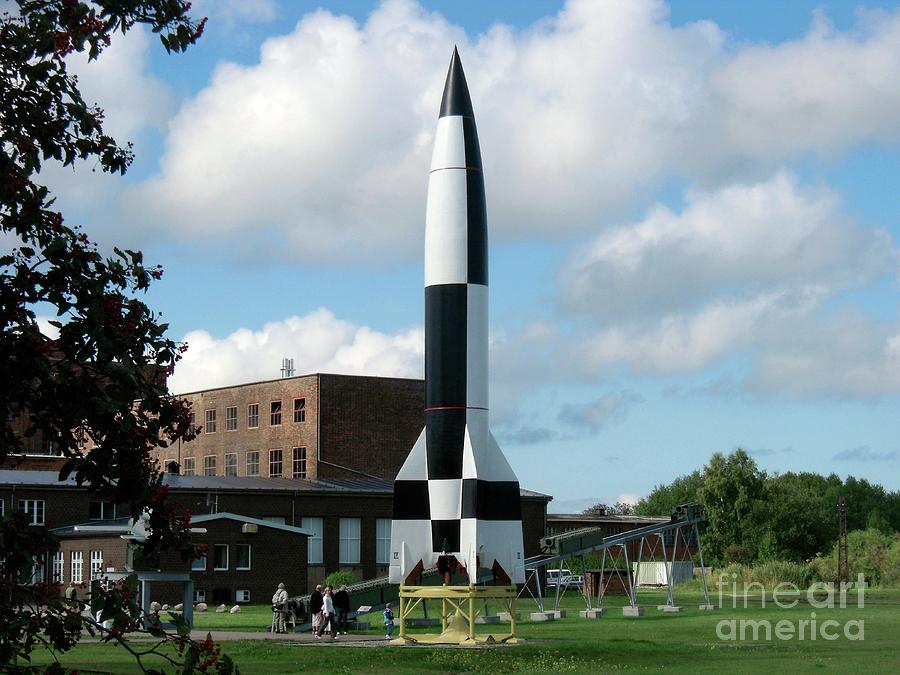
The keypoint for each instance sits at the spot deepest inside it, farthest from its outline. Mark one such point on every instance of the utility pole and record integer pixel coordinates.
(843, 571)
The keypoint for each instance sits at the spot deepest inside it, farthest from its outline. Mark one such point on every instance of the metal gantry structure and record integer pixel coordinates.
(667, 542)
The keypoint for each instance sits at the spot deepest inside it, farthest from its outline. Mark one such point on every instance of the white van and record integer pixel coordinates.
(564, 578)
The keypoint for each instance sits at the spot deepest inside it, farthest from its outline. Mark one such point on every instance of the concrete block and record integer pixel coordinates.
(668, 608)
(558, 613)
(488, 619)
(628, 610)
(504, 616)
(707, 608)
(592, 613)
(543, 616)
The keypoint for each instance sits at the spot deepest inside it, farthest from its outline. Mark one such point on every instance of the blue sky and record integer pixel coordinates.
(692, 211)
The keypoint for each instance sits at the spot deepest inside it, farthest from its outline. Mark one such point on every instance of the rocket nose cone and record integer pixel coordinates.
(456, 100)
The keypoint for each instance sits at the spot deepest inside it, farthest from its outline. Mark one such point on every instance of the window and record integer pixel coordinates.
(253, 416)
(299, 456)
(102, 511)
(59, 562)
(231, 464)
(2, 507)
(382, 541)
(253, 463)
(209, 465)
(193, 426)
(77, 567)
(34, 509)
(242, 556)
(198, 564)
(231, 418)
(349, 546)
(299, 409)
(210, 421)
(220, 556)
(314, 527)
(199, 596)
(275, 416)
(242, 595)
(188, 468)
(96, 564)
(274, 519)
(276, 463)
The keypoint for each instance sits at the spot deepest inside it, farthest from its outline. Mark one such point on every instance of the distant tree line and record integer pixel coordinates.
(754, 516)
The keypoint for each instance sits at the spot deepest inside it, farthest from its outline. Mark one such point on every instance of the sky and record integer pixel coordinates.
(692, 213)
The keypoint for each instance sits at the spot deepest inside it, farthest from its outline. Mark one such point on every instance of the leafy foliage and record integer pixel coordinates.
(753, 516)
(97, 392)
(338, 579)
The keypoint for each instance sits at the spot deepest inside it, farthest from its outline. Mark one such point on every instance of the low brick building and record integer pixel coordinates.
(348, 520)
(246, 559)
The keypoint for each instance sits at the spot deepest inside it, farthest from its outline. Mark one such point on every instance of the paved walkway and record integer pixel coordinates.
(305, 638)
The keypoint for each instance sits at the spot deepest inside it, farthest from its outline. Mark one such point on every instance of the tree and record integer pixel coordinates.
(617, 509)
(799, 516)
(663, 498)
(104, 376)
(732, 492)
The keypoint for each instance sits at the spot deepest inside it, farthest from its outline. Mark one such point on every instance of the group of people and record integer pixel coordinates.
(329, 608)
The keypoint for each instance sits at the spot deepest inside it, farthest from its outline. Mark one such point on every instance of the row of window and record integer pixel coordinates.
(349, 540)
(35, 510)
(76, 566)
(231, 416)
(221, 558)
(297, 468)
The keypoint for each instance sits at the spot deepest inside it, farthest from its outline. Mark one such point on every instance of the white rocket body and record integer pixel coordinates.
(456, 493)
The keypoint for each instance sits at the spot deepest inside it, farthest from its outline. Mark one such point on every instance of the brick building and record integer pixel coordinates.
(247, 557)
(348, 520)
(309, 426)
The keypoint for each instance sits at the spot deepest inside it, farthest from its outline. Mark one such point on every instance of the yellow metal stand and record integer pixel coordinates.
(458, 613)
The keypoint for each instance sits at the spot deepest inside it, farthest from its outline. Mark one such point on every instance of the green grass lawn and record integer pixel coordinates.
(685, 642)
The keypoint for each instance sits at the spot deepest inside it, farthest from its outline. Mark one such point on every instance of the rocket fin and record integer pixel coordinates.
(416, 465)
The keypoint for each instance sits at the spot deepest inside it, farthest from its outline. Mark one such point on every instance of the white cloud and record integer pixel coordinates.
(751, 269)
(119, 81)
(318, 342)
(752, 238)
(321, 149)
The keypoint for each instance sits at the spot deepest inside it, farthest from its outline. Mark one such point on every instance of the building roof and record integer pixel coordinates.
(294, 377)
(196, 520)
(26, 478)
(120, 526)
(611, 519)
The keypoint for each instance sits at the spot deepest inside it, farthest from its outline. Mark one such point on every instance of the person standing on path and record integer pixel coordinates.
(342, 608)
(388, 621)
(328, 614)
(315, 609)
(279, 605)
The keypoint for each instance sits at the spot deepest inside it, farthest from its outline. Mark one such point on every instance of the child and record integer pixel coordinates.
(388, 621)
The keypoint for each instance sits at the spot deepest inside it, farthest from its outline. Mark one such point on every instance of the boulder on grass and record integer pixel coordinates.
(155, 607)
(201, 607)
(221, 609)
(235, 610)
(179, 607)
(165, 607)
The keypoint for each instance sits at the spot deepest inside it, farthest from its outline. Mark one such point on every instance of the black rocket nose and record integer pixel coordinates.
(456, 100)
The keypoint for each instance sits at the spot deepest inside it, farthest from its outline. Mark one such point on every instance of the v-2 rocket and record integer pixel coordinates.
(456, 494)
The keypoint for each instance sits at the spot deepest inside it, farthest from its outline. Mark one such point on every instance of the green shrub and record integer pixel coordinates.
(774, 572)
(872, 553)
(338, 579)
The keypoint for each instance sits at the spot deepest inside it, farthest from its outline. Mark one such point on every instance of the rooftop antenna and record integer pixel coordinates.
(287, 367)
